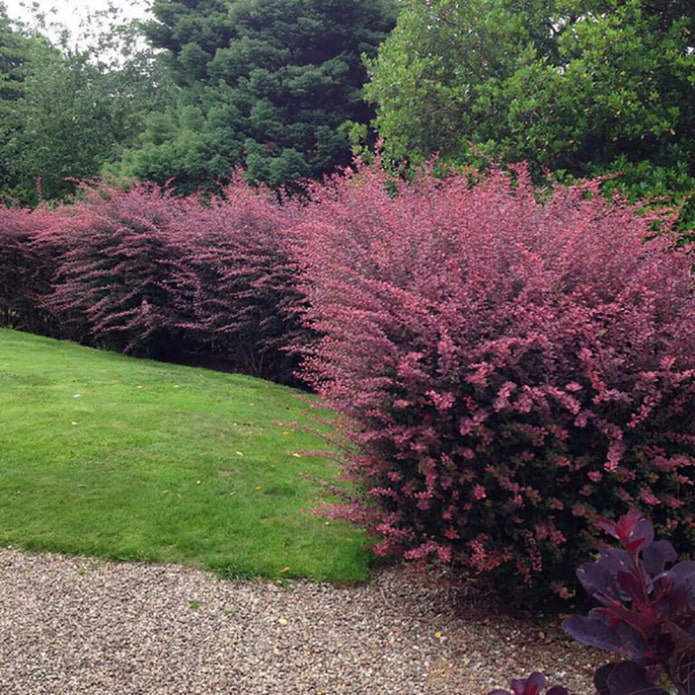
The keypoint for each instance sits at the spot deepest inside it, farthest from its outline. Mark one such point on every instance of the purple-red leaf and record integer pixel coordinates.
(625, 678)
(533, 685)
(655, 557)
(642, 536)
(634, 532)
(632, 586)
(595, 577)
(593, 632)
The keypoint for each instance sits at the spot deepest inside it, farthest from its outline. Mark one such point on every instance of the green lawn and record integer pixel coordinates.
(134, 459)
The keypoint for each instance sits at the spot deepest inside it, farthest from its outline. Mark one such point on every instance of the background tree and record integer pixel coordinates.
(68, 111)
(15, 50)
(583, 88)
(268, 84)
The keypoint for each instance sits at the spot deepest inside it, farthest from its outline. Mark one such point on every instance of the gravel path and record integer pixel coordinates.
(78, 626)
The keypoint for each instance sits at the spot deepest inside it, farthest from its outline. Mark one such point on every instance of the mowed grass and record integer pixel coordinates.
(133, 459)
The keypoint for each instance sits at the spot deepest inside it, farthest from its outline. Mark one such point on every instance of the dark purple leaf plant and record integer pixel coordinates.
(646, 616)
(533, 685)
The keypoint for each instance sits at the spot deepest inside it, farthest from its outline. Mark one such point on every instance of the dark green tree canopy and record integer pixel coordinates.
(267, 84)
(64, 113)
(580, 86)
(15, 48)
(16, 52)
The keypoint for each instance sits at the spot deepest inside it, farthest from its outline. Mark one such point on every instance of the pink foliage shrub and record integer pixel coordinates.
(243, 296)
(512, 368)
(115, 287)
(28, 261)
(143, 272)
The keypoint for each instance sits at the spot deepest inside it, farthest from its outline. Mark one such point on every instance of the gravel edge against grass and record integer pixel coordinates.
(72, 625)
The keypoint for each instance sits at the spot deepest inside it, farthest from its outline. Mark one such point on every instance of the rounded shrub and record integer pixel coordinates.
(512, 367)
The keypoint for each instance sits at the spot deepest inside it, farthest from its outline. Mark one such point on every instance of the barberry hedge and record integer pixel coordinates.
(513, 366)
(115, 280)
(27, 268)
(140, 271)
(242, 297)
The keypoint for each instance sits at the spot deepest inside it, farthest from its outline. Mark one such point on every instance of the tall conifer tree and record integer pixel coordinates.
(272, 85)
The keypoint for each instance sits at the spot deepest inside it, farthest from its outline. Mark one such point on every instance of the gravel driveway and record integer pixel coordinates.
(79, 626)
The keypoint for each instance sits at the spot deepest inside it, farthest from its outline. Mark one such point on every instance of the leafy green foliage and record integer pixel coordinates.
(268, 84)
(579, 88)
(67, 111)
(73, 119)
(16, 48)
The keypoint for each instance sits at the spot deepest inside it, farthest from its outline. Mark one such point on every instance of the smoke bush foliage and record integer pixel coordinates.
(647, 614)
(28, 258)
(533, 685)
(512, 367)
(647, 611)
(243, 296)
(115, 286)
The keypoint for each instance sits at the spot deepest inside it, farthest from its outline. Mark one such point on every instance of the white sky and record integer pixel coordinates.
(72, 13)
